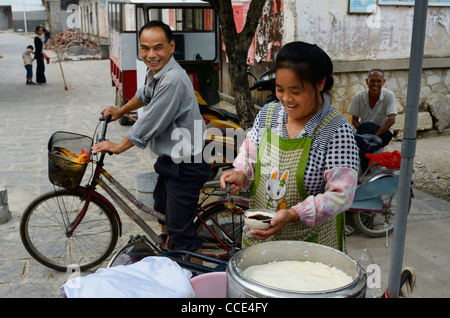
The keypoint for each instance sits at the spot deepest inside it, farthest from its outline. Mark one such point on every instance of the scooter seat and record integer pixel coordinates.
(372, 189)
(228, 115)
(220, 113)
(373, 204)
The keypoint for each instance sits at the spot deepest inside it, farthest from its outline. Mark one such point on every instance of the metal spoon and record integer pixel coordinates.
(230, 206)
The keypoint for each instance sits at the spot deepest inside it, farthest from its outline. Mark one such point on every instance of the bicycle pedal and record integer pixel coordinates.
(349, 230)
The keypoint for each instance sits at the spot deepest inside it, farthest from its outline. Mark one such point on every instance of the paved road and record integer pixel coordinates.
(31, 114)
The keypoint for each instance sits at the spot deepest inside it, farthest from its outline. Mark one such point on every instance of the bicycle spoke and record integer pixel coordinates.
(45, 231)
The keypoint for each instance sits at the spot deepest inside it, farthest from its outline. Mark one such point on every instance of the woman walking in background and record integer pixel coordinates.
(39, 55)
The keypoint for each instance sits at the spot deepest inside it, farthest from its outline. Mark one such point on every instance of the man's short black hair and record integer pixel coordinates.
(375, 70)
(159, 24)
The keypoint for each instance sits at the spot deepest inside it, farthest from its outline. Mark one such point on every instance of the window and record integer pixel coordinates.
(140, 18)
(208, 20)
(154, 14)
(114, 16)
(198, 19)
(431, 3)
(194, 20)
(178, 19)
(128, 17)
(194, 32)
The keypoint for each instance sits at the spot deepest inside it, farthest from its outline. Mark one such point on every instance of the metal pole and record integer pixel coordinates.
(25, 17)
(56, 45)
(408, 144)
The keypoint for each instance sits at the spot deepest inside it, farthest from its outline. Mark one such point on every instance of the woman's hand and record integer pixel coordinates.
(236, 179)
(280, 220)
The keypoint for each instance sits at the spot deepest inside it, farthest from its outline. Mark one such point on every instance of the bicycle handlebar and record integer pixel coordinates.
(107, 120)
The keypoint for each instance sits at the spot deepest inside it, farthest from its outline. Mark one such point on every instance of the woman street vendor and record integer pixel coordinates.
(300, 158)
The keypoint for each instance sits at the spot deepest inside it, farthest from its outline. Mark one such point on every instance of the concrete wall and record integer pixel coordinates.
(383, 36)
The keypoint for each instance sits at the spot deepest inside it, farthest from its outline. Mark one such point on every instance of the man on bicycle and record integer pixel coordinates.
(170, 109)
(377, 108)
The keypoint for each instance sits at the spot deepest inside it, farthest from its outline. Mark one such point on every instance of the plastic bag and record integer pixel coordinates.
(373, 280)
(390, 160)
(152, 277)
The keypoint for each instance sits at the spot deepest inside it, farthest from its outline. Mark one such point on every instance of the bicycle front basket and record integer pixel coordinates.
(63, 148)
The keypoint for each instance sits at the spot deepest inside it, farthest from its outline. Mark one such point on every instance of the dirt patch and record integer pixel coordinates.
(431, 163)
(432, 181)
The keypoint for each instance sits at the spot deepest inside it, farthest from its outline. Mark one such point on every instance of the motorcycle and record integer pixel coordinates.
(266, 82)
(222, 130)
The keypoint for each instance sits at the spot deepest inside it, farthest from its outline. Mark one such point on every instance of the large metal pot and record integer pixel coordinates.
(240, 286)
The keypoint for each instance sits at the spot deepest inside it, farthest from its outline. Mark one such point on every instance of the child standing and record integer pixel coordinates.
(28, 62)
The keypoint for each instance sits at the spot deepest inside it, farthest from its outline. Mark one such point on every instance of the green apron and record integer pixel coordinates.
(279, 184)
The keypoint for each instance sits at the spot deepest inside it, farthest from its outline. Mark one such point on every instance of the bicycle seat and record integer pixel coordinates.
(368, 142)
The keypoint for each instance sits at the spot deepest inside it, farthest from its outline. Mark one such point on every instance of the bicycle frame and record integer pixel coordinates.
(120, 202)
(159, 245)
(202, 208)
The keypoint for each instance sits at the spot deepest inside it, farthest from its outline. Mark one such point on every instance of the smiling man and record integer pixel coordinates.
(373, 112)
(169, 106)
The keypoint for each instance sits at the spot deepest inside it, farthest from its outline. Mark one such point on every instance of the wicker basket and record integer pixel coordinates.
(63, 172)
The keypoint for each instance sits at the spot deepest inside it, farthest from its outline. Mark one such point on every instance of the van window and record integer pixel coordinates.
(193, 29)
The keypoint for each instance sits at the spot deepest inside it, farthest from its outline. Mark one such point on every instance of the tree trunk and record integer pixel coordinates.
(237, 46)
(245, 107)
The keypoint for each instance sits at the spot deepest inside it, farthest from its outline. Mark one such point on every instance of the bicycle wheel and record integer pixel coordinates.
(374, 224)
(225, 225)
(44, 226)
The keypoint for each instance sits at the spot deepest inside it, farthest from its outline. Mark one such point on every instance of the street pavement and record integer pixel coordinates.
(31, 114)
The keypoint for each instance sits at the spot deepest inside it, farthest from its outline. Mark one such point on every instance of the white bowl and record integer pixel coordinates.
(254, 224)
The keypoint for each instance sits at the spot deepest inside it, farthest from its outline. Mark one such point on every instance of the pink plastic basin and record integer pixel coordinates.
(210, 285)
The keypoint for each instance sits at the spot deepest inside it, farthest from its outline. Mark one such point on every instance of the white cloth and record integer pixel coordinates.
(152, 277)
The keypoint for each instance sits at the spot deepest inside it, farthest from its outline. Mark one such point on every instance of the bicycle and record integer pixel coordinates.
(374, 205)
(78, 225)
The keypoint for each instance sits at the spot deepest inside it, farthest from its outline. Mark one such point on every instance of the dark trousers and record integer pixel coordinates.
(176, 196)
(40, 71)
(29, 69)
(370, 128)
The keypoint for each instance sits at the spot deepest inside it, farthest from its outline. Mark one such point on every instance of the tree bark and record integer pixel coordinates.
(237, 46)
